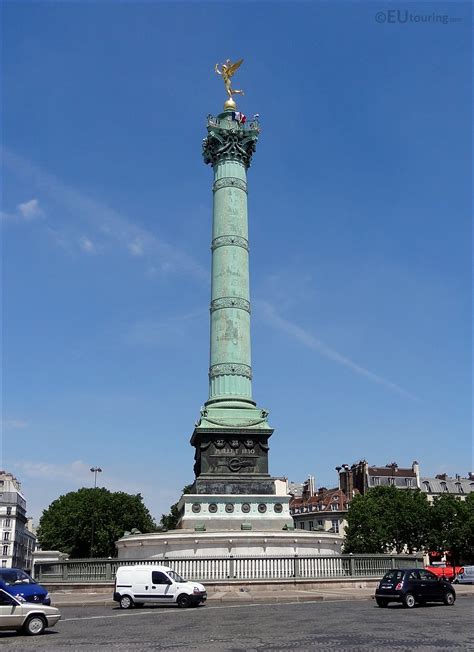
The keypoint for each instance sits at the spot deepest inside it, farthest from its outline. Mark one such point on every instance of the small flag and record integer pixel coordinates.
(240, 117)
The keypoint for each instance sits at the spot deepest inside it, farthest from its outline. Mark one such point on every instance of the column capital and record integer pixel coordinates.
(229, 140)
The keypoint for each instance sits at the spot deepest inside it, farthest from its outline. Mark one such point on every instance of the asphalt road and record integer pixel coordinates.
(330, 625)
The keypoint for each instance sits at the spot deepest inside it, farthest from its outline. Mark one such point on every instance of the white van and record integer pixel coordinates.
(466, 576)
(138, 585)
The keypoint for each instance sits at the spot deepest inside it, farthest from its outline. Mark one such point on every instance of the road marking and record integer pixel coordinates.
(208, 608)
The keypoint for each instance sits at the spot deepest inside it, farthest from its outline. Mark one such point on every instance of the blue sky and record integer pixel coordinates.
(359, 213)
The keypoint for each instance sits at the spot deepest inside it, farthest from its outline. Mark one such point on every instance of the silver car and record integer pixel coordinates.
(31, 619)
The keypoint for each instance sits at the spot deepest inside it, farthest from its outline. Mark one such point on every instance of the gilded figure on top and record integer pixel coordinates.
(227, 70)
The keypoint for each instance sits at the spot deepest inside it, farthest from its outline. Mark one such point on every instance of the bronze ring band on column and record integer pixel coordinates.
(230, 302)
(229, 182)
(230, 369)
(229, 241)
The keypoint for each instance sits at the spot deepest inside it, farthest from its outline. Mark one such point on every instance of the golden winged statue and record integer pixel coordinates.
(227, 70)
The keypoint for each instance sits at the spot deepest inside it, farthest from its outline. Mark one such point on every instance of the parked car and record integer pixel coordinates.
(18, 583)
(465, 576)
(445, 571)
(411, 586)
(139, 585)
(31, 619)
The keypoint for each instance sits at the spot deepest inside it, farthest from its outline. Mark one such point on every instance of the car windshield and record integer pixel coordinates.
(12, 577)
(393, 576)
(174, 576)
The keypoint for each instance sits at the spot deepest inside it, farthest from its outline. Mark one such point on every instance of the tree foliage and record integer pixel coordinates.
(452, 527)
(170, 521)
(387, 519)
(72, 521)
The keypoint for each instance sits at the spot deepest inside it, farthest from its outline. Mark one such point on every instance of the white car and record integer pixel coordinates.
(31, 619)
(466, 576)
(138, 585)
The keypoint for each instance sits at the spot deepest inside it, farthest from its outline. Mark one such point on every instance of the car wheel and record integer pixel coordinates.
(126, 602)
(380, 602)
(183, 601)
(449, 598)
(35, 625)
(409, 600)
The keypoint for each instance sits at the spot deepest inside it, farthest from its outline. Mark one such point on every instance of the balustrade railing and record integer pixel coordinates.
(233, 568)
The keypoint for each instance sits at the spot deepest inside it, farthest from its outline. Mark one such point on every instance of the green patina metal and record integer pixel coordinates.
(231, 436)
(228, 148)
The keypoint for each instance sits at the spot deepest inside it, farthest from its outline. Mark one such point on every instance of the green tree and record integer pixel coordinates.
(451, 527)
(170, 521)
(387, 519)
(74, 520)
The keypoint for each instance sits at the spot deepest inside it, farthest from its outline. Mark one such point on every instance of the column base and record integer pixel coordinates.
(203, 512)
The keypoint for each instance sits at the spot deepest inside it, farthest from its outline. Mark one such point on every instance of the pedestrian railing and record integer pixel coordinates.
(233, 568)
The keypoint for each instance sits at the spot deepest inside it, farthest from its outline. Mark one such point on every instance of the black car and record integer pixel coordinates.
(411, 586)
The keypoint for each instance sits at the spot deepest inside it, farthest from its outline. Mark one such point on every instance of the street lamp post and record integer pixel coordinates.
(95, 470)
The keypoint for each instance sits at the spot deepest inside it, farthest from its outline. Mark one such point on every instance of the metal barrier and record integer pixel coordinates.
(233, 568)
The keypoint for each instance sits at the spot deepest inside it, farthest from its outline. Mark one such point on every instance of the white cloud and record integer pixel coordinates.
(30, 210)
(136, 248)
(87, 245)
(14, 424)
(110, 222)
(311, 342)
(43, 482)
(75, 471)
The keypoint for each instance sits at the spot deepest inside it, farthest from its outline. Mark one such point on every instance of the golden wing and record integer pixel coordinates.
(233, 67)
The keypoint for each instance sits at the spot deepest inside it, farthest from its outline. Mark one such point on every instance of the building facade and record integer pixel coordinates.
(442, 484)
(361, 477)
(322, 509)
(17, 540)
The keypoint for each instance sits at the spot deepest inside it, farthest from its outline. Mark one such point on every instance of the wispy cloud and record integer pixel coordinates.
(25, 212)
(76, 471)
(110, 224)
(43, 482)
(311, 342)
(136, 248)
(164, 331)
(30, 210)
(87, 245)
(14, 424)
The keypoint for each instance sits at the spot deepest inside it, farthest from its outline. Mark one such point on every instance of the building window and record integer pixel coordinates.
(6, 536)
(444, 486)
(4, 563)
(391, 481)
(320, 523)
(460, 489)
(335, 497)
(8, 522)
(409, 482)
(9, 511)
(302, 525)
(334, 507)
(335, 526)
(426, 485)
(5, 550)
(375, 480)
(311, 525)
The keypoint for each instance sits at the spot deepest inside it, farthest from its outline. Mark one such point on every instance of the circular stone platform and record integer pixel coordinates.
(187, 543)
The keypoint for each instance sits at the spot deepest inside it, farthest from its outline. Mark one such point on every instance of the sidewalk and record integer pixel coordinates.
(250, 595)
